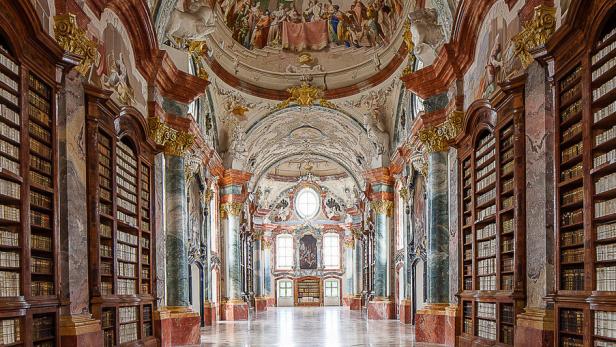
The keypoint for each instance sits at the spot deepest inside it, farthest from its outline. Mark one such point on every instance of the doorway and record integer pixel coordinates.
(331, 293)
(284, 291)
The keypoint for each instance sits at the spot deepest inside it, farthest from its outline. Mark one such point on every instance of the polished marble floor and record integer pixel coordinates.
(309, 326)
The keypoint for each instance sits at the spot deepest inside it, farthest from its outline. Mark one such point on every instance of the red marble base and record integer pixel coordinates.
(406, 314)
(381, 310)
(355, 304)
(346, 301)
(83, 340)
(260, 304)
(234, 311)
(177, 328)
(535, 327)
(435, 324)
(209, 313)
(271, 302)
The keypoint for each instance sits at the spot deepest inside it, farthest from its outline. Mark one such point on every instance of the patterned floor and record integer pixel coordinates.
(309, 326)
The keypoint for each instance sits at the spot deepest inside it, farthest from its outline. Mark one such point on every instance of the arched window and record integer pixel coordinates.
(331, 251)
(284, 252)
(307, 203)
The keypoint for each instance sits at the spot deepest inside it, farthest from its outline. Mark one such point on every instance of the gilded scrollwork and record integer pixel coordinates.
(384, 207)
(174, 142)
(436, 139)
(73, 39)
(305, 95)
(535, 33)
(230, 209)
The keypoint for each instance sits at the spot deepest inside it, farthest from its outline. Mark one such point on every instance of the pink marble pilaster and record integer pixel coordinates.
(436, 323)
(177, 327)
(234, 311)
(381, 310)
(261, 304)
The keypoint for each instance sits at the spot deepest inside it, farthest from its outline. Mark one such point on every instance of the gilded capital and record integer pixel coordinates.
(436, 139)
(385, 207)
(535, 34)
(74, 39)
(174, 142)
(231, 209)
(349, 242)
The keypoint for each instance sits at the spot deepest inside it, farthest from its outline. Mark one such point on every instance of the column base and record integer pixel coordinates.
(535, 326)
(271, 302)
(261, 304)
(355, 304)
(406, 315)
(209, 313)
(80, 330)
(177, 326)
(381, 309)
(234, 310)
(436, 323)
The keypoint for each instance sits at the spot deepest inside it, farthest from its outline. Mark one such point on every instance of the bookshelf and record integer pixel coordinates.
(120, 179)
(585, 176)
(492, 237)
(29, 275)
(308, 291)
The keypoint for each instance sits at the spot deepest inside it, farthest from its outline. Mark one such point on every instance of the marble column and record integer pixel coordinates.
(406, 302)
(232, 201)
(347, 285)
(209, 307)
(267, 270)
(77, 326)
(436, 319)
(358, 268)
(536, 323)
(260, 298)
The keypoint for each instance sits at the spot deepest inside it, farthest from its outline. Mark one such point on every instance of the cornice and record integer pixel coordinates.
(234, 177)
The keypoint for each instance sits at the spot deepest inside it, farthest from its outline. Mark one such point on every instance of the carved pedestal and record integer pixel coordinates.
(535, 327)
(80, 330)
(436, 323)
(177, 326)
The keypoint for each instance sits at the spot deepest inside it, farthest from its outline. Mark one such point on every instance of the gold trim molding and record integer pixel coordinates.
(174, 142)
(536, 33)
(385, 207)
(231, 209)
(73, 39)
(305, 95)
(436, 139)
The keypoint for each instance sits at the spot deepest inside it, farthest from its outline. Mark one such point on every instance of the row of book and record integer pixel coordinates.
(10, 150)
(10, 97)
(605, 50)
(9, 82)
(605, 324)
(507, 202)
(126, 269)
(39, 199)
(606, 231)
(606, 278)
(487, 138)
(106, 268)
(41, 265)
(605, 112)
(572, 255)
(10, 328)
(127, 219)
(507, 282)
(8, 62)
(126, 253)
(40, 219)
(128, 238)
(605, 252)
(507, 335)
(9, 132)
(486, 212)
(39, 132)
(41, 288)
(486, 329)
(507, 156)
(486, 248)
(572, 279)
(9, 284)
(39, 179)
(127, 205)
(9, 213)
(38, 102)
(10, 115)
(572, 321)
(8, 237)
(128, 314)
(507, 264)
(608, 65)
(572, 172)
(507, 245)
(605, 158)
(486, 169)
(573, 195)
(39, 87)
(572, 110)
(570, 94)
(572, 237)
(9, 259)
(605, 136)
(507, 142)
(487, 196)
(126, 287)
(486, 266)
(486, 157)
(507, 169)
(125, 153)
(605, 208)
(487, 231)
(39, 116)
(486, 310)
(572, 217)
(43, 327)
(40, 164)
(486, 181)
(604, 89)
(487, 283)
(572, 151)
(10, 189)
(128, 332)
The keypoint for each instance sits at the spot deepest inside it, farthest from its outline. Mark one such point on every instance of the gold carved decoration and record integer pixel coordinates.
(385, 207)
(73, 39)
(420, 164)
(349, 242)
(436, 139)
(410, 46)
(174, 142)
(305, 95)
(357, 233)
(404, 193)
(231, 209)
(207, 196)
(197, 49)
(535, 33)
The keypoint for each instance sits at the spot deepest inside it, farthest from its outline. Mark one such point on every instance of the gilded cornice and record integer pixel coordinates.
(385, 207)
(73, 39)
(436, 139)
(230, 209)
(536, 33)
(305, 95)
(174, 142)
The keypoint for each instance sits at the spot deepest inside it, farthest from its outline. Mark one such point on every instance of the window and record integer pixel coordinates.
(331, 251)
(285, 289)
(331, 288)
(284, 252)
(307, 203)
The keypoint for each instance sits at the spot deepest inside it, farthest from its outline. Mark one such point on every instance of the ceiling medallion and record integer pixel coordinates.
(305, 95)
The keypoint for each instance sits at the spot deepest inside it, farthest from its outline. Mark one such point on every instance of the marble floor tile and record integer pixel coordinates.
(309, 326)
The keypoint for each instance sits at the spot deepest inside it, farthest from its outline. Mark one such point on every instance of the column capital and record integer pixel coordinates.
(174, 142)
(380, 184)
(385, 207)
(231, 208)
(437, 138)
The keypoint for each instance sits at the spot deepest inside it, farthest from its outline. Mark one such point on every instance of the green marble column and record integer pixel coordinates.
(230, 217)
(382, 225)
(176, 231)
(438, 229)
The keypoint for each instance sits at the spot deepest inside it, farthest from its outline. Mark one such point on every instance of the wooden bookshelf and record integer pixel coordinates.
(308, 291)
(120, 214)
(29, 236)
(585, 176)
(492, 237)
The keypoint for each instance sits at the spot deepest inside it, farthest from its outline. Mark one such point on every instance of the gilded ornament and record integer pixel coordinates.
(74, 39)
(535, 33)
(207, 196)
(174, 142)
(385, 207)
(349, 242)
(410, 46)
(436, 139)
(357, 233)
(231, 209)
(404, 193)
(305, 95)
(197, 49)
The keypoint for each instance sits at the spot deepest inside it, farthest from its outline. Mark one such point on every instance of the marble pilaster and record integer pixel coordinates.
(536, 323)
(453, 226)
(176, 237)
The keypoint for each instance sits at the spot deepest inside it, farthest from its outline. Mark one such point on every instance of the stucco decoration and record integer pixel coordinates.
(427, 34)
(195, 22)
